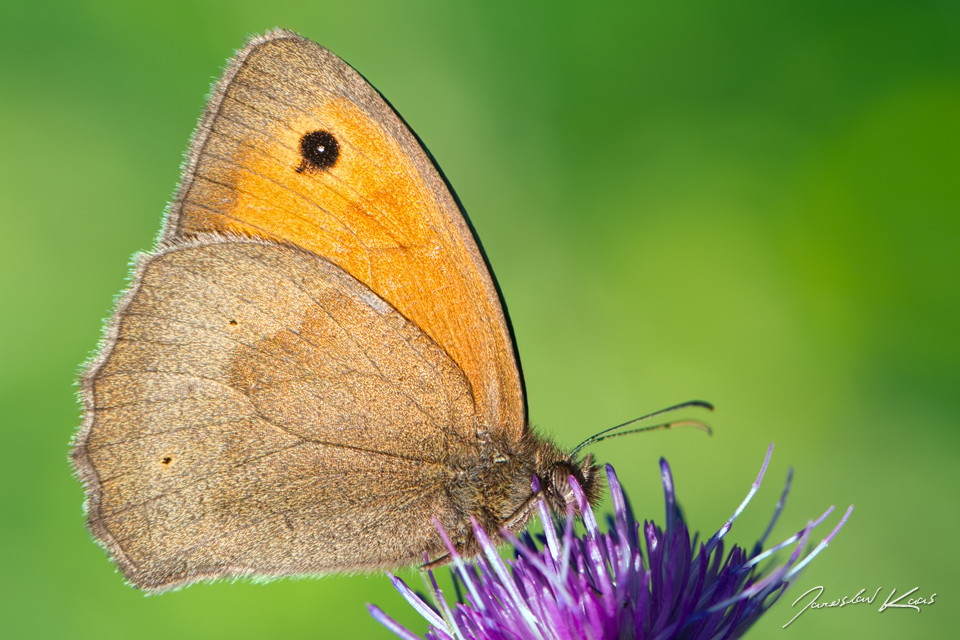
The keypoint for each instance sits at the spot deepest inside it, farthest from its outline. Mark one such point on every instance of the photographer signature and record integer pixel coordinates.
(912, 603)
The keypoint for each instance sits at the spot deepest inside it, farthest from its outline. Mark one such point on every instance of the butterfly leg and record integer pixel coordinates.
(436, 564)
(521, 515)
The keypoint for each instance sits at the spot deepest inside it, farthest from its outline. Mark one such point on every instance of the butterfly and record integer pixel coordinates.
(313, 369)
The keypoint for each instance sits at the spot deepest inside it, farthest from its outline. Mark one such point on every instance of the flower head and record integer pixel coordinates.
(601, 586)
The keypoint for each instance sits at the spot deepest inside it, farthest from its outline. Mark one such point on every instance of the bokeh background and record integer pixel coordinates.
(755, 203)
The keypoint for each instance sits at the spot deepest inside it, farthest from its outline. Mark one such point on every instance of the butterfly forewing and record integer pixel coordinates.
(374, 204)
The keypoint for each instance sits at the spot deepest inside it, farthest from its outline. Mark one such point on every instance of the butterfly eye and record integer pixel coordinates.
(319, 149)
(561, 486)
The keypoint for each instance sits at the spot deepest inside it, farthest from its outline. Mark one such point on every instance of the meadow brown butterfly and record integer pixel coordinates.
(314, 364)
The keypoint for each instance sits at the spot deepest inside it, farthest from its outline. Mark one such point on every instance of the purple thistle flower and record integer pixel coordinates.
(599, 586)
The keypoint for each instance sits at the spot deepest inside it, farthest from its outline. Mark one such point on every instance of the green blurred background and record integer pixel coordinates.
(755, 203)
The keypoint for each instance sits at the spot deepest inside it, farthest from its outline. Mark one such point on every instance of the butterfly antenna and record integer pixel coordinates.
(606, 434)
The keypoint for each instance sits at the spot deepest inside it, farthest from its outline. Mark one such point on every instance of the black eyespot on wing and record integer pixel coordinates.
(319, 150)
(167, 460)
